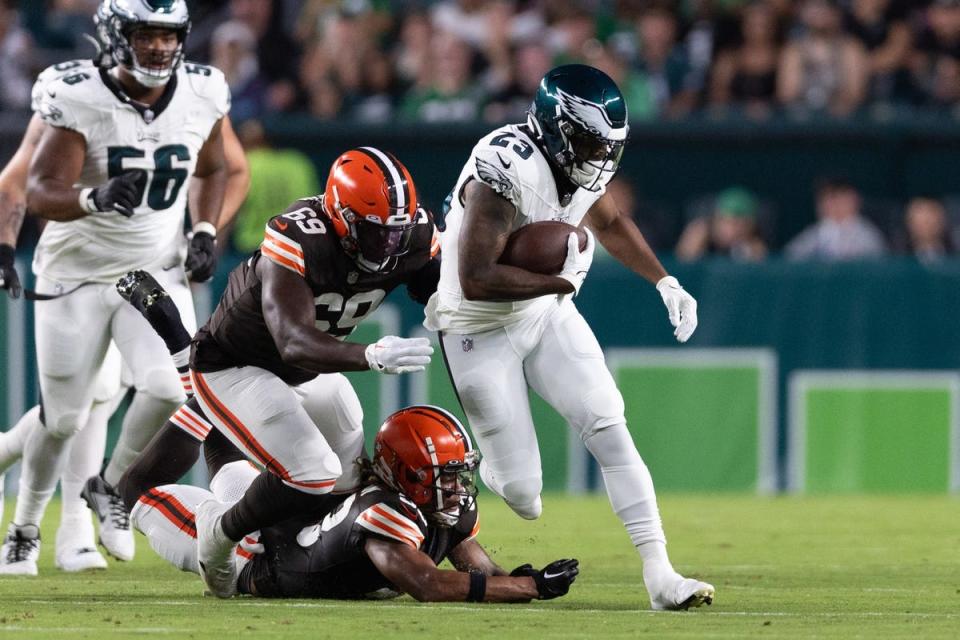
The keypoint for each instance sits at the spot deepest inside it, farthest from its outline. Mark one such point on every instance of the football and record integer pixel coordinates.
(540, 247)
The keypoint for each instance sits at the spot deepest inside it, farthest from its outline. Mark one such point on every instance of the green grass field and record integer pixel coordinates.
(863, 567)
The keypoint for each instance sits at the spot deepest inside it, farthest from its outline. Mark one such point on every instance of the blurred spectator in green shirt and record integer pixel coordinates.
(277, 178)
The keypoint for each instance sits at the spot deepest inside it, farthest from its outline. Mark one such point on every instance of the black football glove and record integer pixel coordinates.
(121, 193)
(201, 257)
(9, 279)
(552, 581)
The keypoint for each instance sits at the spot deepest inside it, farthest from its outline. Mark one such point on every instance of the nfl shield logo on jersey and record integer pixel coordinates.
(467, 344)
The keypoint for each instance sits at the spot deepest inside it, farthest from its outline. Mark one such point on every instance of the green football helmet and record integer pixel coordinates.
(115, 20)
(580, 116)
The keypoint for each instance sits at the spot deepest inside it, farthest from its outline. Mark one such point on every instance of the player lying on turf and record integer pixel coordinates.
(415, 507)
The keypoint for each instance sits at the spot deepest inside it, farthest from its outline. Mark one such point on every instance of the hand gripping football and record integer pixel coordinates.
(540, 247)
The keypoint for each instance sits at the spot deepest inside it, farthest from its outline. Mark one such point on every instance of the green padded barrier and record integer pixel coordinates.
(703, 419)
(876, 431)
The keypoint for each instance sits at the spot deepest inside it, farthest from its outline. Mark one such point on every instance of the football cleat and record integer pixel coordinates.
(140, 289)
(20, 550)
(680, 594)
(76, 548)
(215, 550)
(116, 535)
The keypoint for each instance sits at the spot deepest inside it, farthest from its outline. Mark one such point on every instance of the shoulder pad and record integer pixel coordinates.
(72, 101)
(55, 72)
(393, 517)
(282, 246)
(207, 83)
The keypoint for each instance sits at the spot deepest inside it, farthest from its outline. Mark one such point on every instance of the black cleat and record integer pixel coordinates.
(141, 290)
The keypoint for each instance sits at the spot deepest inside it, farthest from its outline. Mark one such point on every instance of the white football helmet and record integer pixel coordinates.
(116, 20)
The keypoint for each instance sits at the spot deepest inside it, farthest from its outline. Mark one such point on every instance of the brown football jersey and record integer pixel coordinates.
(303, 240)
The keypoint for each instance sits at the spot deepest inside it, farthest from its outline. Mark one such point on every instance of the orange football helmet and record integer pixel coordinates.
(372, 203)
(425, 453)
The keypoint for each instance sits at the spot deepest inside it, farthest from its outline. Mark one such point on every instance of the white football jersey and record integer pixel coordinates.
(508, 161)
(162, 142)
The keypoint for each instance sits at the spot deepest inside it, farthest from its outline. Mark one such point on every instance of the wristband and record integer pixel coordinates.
(85, 200)
(205, 227)
(478, 586)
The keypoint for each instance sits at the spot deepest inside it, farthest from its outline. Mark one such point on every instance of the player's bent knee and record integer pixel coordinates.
(317, 478)
(523, 496)
(603, 408)
(65, 425)
(164, 385)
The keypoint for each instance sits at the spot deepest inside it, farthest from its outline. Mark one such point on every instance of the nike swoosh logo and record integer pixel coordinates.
(282, 225)
(506, 163)
(548, 576)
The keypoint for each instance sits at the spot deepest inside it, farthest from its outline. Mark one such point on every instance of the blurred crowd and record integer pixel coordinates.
(468, 60)
(458, 61)
(740, 225)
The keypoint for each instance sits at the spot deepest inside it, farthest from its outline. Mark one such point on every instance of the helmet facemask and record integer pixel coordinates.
(454, 489)
(149, 66)
(590, 161)
(118, 22)
(372, 244)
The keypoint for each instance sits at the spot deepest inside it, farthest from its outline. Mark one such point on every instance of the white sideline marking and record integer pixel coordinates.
(331, 604)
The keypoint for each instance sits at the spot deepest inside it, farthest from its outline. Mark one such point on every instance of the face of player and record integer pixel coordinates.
(154, 47)
(455, 486)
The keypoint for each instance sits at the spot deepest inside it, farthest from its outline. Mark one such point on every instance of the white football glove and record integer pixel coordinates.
(392, 354)
(577, 264)
(681, 307)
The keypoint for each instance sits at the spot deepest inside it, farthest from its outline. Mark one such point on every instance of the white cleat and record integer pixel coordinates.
(215, 550)
(116, 534)
(20, 551)
(680, 594)
(76, 548)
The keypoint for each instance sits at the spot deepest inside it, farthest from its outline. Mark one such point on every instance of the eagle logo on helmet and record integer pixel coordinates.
(584, 113)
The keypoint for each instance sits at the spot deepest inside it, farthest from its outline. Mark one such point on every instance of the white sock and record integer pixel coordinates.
(13, 440)
(181, 358)
(232, 481)
(143, 419)
(44, 457)
(86, 456)
(632, 496)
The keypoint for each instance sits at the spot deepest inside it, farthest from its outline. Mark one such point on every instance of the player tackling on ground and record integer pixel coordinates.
(416, 506)
(503, 329)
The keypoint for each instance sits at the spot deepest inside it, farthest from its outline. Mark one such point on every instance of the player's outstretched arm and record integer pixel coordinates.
(470, 554)
(487, 222)
(619, 235)
(13, 204)
(289, 312)
(413, 572)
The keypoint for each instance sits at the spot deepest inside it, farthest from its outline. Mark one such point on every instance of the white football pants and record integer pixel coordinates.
(556, 355)
(72, 334)
(264, 417)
